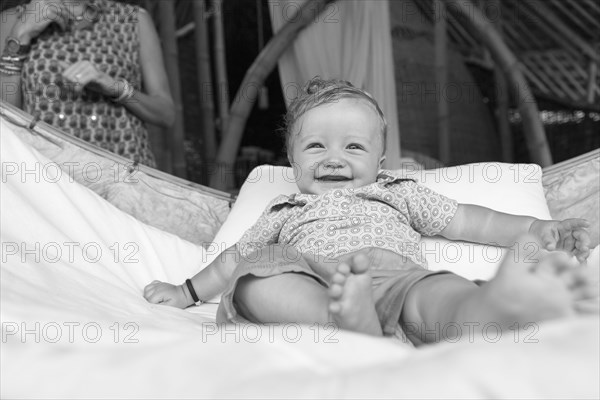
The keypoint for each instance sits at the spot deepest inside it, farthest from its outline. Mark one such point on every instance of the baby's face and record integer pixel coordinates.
(336, 145)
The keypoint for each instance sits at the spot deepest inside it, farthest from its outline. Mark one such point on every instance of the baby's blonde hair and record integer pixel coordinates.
(318, 92)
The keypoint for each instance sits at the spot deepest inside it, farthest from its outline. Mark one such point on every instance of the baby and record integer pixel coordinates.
(346, 248)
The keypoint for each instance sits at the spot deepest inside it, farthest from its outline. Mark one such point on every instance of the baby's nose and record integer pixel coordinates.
(334, 162)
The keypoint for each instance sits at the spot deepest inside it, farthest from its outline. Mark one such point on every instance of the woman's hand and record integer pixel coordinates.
(159, 292)
(36, 17)
(83, 74)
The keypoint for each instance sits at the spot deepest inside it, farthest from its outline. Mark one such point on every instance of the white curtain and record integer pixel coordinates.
(350, 40)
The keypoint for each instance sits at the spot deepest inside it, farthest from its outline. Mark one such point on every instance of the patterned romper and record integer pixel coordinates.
(112, 44)
(311, 234)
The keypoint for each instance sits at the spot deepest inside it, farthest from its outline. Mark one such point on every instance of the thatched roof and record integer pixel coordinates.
(557, 41)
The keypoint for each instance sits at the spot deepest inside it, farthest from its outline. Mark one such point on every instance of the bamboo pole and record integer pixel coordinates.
(502, 98)
(220, 65)
(550, 76)
(572, 38)
(253, 80)
(591, 92)
(461, 31)
(593, 4)
(569, 12)
(529, 11)
(263, 92)
(533, 127)
(532, 74)
(441, 78)
(506, 141)
(562, 64)
(556, 72)
(583, 12)
(205, 84)
(169, 46)
(524, 30)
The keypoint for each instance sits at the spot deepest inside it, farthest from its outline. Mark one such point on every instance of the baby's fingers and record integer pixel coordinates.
(158, 298)
(152, 284)
(549, 240)
(572, 224)
(568, 243)
(582, 255)
(582, 238)
(582, 245)
(151, 288)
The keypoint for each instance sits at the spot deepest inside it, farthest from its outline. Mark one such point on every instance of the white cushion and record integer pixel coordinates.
(512, 188)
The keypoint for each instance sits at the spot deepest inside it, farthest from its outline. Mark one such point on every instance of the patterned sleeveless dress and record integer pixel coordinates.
(110, 41)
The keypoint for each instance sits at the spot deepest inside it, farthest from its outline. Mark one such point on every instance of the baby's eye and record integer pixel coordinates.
(355, 146)
(314, 146)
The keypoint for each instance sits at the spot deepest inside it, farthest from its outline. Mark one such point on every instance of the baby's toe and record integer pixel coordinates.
(336, 291)
(335, 307)
(339, 278)
(343, 268)
(360, 263)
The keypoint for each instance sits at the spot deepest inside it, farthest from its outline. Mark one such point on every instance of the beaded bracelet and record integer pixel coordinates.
(11, 64)
(9, 69)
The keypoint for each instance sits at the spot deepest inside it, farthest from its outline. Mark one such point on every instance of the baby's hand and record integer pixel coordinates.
(164, 293)
(569, 235)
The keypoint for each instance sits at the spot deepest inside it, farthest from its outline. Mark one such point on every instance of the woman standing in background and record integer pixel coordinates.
(92, 68)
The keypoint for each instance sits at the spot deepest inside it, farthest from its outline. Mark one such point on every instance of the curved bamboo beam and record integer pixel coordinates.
(255, 76)
(533, 128)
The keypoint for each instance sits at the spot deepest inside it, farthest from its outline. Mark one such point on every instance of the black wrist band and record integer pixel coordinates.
(192, 291)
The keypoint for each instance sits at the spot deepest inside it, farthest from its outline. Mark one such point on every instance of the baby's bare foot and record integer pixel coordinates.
(532, 285)
(351, 302)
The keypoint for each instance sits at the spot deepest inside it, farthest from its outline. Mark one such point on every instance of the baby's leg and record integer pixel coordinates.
(527, 288)
(295, 297)
(289, 297)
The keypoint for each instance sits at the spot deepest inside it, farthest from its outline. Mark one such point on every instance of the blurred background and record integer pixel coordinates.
(209, 45)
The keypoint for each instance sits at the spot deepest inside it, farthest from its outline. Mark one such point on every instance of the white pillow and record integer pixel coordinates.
(512, 188)
(263, 184)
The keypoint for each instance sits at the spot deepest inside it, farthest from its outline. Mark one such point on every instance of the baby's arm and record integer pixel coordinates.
(207, 283)
(483, 225)
(213, 279)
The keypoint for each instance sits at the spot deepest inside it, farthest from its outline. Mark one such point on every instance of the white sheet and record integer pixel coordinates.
(90, 333)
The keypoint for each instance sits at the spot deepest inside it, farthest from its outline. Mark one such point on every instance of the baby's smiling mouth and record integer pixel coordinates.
(332, 178)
